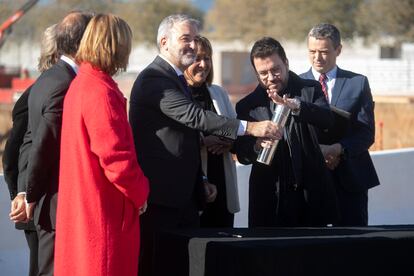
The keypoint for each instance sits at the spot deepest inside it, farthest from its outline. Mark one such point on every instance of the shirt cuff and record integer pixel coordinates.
(21, 193)
(242, 128)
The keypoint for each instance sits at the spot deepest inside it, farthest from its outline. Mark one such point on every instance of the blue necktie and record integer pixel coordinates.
(187, 91)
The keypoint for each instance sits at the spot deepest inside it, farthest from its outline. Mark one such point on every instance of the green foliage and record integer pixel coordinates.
(387, 19)
(252, 19)
(143, 16)
(245, 20)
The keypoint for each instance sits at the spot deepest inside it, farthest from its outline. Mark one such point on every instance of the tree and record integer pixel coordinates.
(386, 19)
(144, 16)
(249, 20)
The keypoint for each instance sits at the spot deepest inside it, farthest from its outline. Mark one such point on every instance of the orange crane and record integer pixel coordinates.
(11, 83)
(5, 27)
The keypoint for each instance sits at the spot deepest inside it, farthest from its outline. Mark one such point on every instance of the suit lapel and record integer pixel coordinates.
(309, 75)
(337, 89)
(168, 71)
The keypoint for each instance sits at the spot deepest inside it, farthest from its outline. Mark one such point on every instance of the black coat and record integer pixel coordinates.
(11, 152)
(306, 160)
(166, 126)
(42, 141)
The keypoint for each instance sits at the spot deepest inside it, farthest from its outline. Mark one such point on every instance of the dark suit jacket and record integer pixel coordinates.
(352, 93)
(42, 141)
(11, 152)
(305, 156)
(166, 126)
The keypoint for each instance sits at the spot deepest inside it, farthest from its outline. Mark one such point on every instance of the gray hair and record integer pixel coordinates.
(48, 49)
(168, 23)
(325, 30)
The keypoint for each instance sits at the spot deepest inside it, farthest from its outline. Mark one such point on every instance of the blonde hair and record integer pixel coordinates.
(106, 43)
(48, 49)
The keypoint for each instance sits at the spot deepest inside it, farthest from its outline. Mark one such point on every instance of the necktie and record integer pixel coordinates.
(187, 91)
(322, 80)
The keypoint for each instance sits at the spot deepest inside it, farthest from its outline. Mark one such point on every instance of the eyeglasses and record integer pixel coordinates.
(274, 72)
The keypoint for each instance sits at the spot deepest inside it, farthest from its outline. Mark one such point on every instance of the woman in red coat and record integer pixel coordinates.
(102, 189)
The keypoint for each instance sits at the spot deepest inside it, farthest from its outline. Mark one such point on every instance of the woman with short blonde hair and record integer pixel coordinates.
(106, 44)
(102, 189)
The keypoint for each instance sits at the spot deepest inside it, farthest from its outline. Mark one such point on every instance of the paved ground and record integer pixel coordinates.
(14, 253)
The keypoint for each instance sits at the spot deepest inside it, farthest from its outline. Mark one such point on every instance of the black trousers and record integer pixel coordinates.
(46, 250)
(158, 218)
(33, 243)
(353, 207)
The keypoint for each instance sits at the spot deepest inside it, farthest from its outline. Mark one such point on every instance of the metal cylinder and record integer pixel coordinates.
(279, 117)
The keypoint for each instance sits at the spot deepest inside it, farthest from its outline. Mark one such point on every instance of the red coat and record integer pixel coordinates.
(101, 185)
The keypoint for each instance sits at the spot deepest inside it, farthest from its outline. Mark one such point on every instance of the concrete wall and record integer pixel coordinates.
(390, 203)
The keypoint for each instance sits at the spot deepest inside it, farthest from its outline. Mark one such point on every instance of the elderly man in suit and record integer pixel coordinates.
(345, 146)
(166, 124)
(42, 139)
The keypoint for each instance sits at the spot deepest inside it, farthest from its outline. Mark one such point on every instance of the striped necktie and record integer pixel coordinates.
(322, 79)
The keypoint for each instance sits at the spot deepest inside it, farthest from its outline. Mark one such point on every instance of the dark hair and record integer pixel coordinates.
(265, 47)
(70, 30)
(324, 31)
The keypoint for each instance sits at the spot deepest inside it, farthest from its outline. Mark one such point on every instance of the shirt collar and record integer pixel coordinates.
(330, 74)
(176, 69)
(71, 63)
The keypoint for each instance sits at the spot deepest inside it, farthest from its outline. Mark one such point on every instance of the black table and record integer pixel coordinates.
(374, 250)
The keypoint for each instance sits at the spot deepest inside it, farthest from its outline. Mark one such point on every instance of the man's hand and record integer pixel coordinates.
(143, 208)
(267, 143)
(18, 209)
(217, 145)
(29, 210)
(265, 129)
(292, 103)
(210, 191)
(332, 155)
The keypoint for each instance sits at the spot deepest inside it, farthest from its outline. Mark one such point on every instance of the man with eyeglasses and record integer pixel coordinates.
(295, 189)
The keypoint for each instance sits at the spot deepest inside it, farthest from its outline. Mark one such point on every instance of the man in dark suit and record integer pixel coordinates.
(345, 146)
(166, 125)
(11, 174)
(42, 139)
(295, 189)
(11, 158)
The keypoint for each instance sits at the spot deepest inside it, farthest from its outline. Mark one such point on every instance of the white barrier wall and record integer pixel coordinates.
(390, 203)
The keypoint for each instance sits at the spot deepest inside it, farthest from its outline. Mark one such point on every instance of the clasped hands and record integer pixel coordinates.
(332, 154)
(20, 210)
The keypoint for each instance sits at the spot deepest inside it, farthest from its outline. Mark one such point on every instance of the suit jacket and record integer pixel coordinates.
(166, 126)
(223, 107)
(42, 141)
(353, 94)
(304, 153)
(11, 152)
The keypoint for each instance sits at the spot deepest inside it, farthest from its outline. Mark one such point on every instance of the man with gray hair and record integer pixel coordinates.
(345, 146)
(166, 125)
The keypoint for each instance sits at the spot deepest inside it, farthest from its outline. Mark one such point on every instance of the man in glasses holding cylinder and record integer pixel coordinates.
(294, 188)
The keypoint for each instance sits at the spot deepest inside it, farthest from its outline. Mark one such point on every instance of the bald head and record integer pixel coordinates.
(69, 32)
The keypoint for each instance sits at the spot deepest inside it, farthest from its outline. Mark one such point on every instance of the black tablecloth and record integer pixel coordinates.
(380, 250)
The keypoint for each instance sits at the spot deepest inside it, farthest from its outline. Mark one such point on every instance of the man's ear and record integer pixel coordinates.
(163, 43)
(338, 49)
